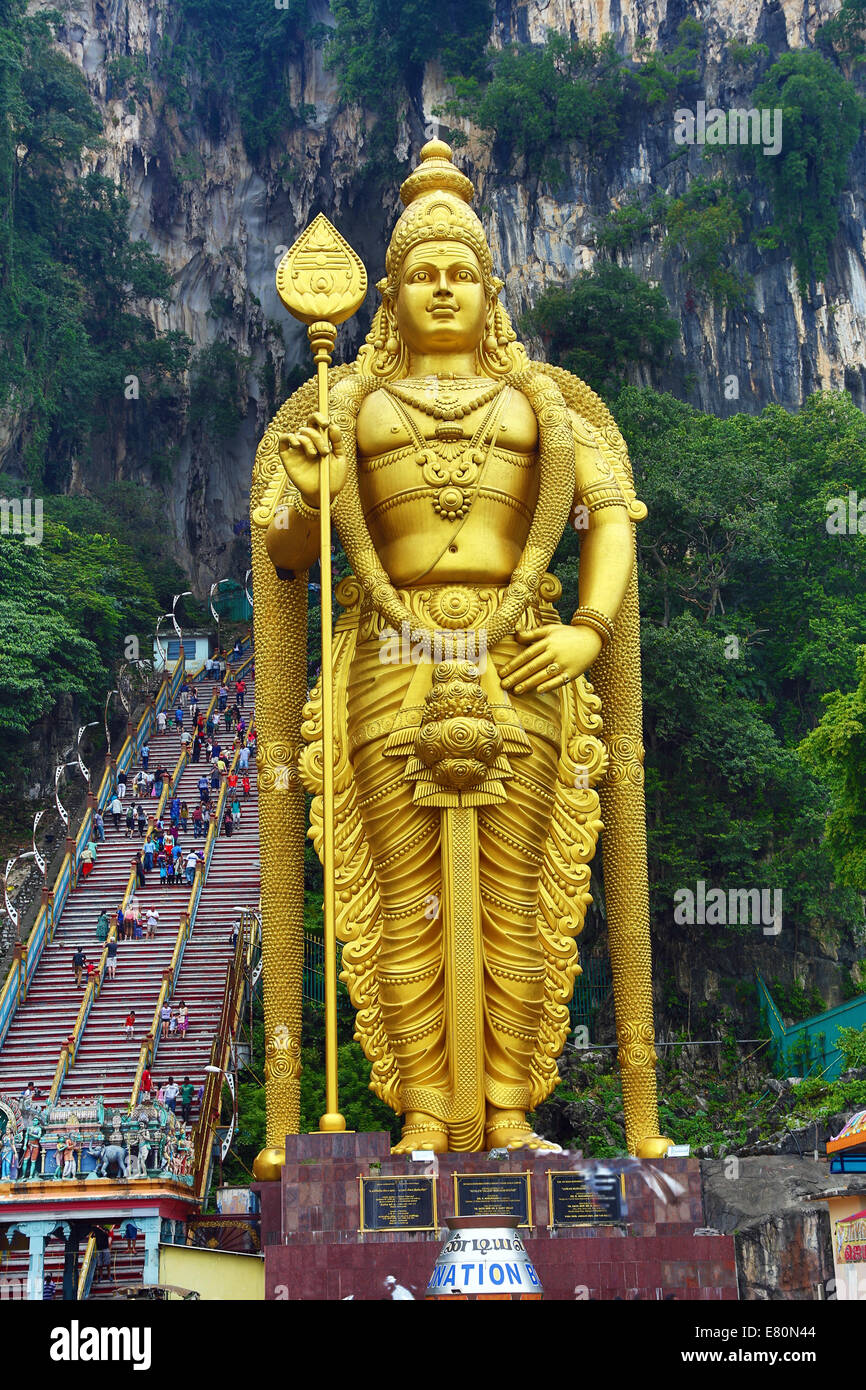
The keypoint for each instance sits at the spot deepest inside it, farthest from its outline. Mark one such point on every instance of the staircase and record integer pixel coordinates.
(106, 1062)
(232, 882)
(126, 1267)
(47, 1016)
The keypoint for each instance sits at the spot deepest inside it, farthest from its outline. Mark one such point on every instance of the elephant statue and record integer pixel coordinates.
(112, 1153)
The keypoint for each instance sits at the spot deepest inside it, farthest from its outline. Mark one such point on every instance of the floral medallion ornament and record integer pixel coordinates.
(455, 607)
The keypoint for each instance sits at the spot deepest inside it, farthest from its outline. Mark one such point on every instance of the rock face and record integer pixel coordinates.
(219, 222)
(782, 1242)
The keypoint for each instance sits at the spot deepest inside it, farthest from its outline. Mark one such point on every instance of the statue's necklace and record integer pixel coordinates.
(447, 403)
(449, 463)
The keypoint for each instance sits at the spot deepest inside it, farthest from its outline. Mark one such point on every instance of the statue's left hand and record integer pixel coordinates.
(570, 649)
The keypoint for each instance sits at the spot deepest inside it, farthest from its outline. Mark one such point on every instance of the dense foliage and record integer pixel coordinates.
(536, 98)
(703, 225)
(379, 49)
(68, 605)
(822, 117)
(72, 283)
(837, 750)
(218, 49)
(607, 321)
(750, 613)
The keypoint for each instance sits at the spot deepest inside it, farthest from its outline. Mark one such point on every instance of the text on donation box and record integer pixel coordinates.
(493, 1194)
(398, 1204)
(586, 1198)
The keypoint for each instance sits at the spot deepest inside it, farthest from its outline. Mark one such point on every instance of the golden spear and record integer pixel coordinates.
(322, 282)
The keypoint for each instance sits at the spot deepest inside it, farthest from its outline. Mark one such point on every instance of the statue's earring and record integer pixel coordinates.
(490, 339)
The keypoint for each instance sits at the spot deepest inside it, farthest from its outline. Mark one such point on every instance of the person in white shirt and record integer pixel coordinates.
(171, 1093)
(160, 721)
(116, 809)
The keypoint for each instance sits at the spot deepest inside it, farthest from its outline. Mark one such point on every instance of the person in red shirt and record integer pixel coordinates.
(241, 689)
(129, 1024)
(233, 780)
(246, 785)
(146, 1083)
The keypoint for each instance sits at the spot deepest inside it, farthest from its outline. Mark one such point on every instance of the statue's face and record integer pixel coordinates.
(441, 304)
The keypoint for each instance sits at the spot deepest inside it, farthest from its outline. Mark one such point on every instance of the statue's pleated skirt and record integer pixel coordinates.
(406, 844)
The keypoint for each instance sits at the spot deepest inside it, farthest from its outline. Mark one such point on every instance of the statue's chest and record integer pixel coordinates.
(414, 467)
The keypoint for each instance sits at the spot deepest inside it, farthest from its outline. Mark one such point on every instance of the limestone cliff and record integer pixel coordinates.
(219, 221)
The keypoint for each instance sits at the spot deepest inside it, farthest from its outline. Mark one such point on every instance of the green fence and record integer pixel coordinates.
(592, 989)
(809, 1048)
(314, 968)
(232, 603)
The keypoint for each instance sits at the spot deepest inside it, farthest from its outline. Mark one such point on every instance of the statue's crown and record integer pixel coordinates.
(436, 197)
(436, 174)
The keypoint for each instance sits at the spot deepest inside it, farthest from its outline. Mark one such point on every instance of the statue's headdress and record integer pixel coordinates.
(436, 198)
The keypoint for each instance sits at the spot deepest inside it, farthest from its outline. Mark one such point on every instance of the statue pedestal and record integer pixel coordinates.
(643, 1247)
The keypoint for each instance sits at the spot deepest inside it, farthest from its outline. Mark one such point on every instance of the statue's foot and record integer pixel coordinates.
(422, 1132)
(654, 1146)
(509, 1129)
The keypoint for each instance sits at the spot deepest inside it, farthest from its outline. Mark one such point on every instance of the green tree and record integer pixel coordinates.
(822, 116)
(72, 284)
(536, 98)
(217, 48)
(662, 77)
(749, 613)
(218, 389)
(836, 749)
(379, 49)
(605, 322)
(703, 224)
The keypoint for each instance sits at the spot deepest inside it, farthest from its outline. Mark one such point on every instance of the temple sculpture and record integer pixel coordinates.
(481, 743)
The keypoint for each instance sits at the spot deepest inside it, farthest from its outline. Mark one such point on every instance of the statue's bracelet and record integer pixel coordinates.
(598, 621)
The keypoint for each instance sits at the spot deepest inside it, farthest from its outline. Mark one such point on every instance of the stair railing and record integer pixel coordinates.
(209, 1114)
(150, 1046)
(86, 1271)
(91, 992)
(28, 954)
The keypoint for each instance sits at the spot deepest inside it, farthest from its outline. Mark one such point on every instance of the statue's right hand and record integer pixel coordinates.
(301, 455)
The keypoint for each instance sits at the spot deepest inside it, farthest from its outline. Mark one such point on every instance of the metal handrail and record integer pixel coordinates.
(91, 992)
(149, 1048)
(84, 1272)
(220, 1053)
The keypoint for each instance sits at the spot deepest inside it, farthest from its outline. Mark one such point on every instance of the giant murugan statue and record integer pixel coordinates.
(474, 761)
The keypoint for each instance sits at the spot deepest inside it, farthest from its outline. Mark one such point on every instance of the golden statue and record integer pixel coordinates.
(473, 762)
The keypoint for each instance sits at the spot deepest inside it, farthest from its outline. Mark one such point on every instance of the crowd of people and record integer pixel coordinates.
(215, 736)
